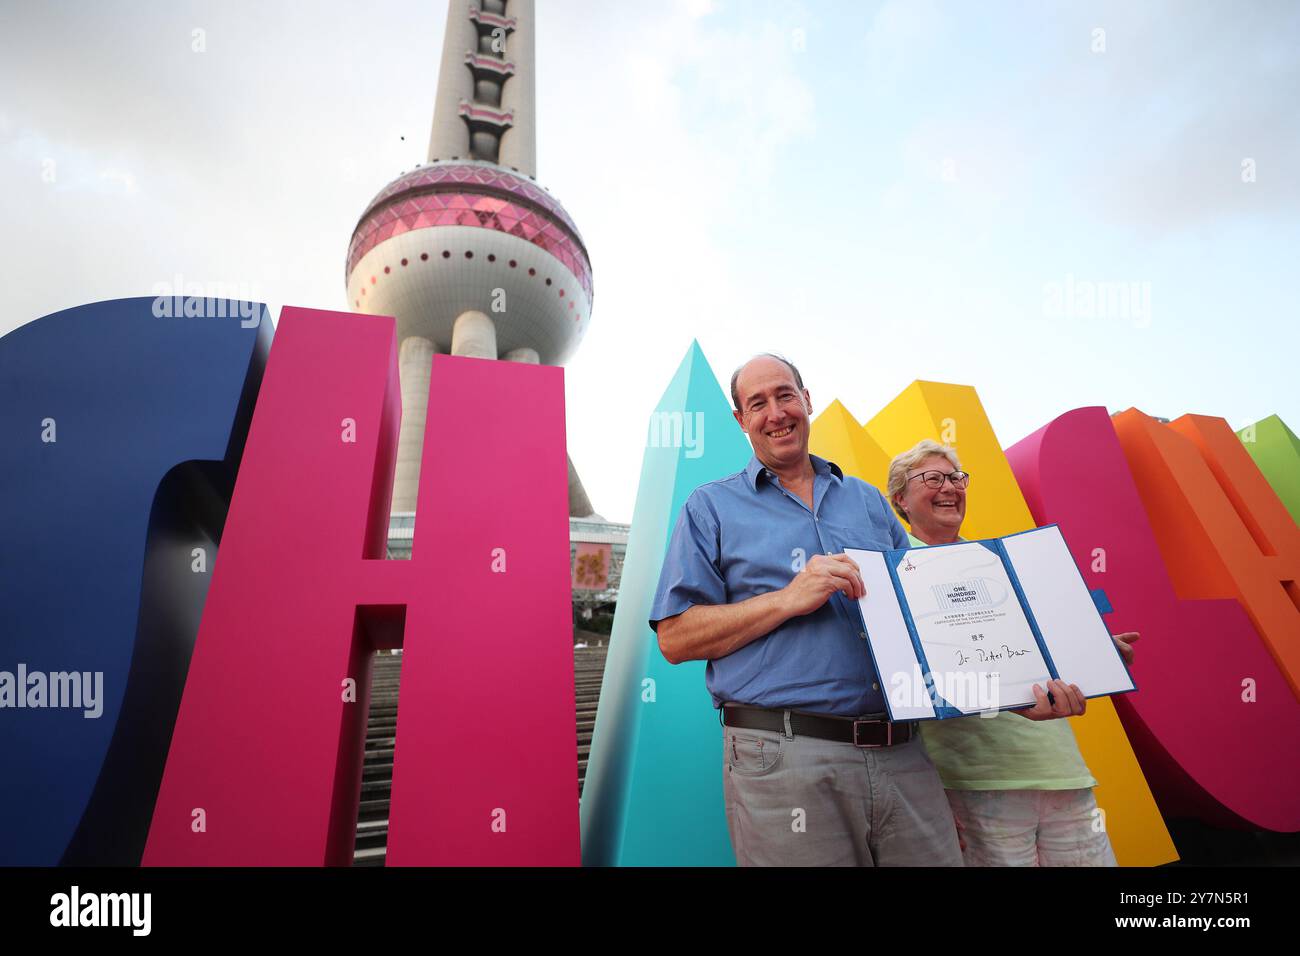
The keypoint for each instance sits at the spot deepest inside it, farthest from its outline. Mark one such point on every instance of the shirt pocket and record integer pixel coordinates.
(864, 536)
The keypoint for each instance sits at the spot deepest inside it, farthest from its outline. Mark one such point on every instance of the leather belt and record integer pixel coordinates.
(869, 731)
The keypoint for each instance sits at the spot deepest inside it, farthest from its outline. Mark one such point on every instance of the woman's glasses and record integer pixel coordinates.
(935, 479)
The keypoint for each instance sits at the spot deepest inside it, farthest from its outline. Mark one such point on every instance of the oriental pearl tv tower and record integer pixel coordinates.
(468, 252)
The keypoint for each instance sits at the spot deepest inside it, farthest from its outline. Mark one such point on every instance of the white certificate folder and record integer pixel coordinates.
(970, 627)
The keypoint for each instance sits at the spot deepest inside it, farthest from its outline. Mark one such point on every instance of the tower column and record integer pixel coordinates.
(474, 335)
(519, 142)
(450, 136)
(415, 366)
(579, 503)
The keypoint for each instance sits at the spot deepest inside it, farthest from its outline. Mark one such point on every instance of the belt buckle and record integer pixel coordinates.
(889, 734)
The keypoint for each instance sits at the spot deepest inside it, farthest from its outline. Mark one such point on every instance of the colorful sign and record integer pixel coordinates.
(192, 585)
(263, 765)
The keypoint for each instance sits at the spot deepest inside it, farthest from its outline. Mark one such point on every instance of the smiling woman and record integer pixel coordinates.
(928, 490)
(1019, 789)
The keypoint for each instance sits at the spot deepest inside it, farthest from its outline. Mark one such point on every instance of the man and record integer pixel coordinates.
(755, 582)
(1021, 793)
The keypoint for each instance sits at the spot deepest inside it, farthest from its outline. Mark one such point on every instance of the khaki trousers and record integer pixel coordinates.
(804, 801)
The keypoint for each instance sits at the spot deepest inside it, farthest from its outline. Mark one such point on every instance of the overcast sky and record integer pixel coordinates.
(883, 191)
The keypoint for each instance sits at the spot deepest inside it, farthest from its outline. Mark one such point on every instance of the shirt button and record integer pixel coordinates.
(862, 634)
(875, 686)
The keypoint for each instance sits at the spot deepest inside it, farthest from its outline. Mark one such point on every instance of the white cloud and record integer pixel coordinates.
(657, 175)
(682, 138)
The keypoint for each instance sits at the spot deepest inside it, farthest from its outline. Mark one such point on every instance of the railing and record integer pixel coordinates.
(490, 64)
(491, 19)
(486, 115)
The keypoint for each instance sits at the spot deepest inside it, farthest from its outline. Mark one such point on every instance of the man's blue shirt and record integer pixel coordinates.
(745, 535)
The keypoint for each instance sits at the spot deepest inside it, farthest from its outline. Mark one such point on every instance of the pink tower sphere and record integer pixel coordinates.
(455, 236)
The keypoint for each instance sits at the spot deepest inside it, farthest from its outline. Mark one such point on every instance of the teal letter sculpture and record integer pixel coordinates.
(653, 792)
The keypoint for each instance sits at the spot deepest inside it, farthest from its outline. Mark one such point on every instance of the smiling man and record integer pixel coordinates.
(755, 581)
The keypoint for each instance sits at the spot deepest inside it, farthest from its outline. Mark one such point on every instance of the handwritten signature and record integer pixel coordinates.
(986, 656)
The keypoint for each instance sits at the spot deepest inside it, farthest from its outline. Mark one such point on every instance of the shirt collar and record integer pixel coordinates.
(755, 470)
(918, 543)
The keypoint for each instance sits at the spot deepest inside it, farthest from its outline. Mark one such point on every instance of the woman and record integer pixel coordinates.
(1020, 791)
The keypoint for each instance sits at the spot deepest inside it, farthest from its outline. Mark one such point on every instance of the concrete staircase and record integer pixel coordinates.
(377, 773)
(588, 671)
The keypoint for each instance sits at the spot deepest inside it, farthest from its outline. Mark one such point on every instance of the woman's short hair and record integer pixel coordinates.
(902, 464)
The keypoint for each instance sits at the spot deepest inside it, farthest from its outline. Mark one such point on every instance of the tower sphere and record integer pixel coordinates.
(461, 235)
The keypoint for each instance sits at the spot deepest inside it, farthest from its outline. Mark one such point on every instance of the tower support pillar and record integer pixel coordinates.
(414, 366)
(474, 335)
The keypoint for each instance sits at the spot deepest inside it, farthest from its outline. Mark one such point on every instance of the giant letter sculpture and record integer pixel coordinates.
(1221, 528)
(120, 433)
(1210, 747)
(265, 761)
(1276, 452)
(653, 793)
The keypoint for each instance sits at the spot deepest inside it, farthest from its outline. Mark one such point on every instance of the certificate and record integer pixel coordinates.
(970, 627)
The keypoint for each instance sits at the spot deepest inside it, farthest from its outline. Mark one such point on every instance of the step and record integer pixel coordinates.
(376, 789)
(373, 810)
(370, 857)
(372, 833)
(381, 733)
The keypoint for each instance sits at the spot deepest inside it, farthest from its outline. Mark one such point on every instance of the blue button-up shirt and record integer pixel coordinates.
(746, 535)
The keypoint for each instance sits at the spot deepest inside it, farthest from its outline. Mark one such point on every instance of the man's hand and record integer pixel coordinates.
(822, 576)
(1125, 644)
(1066, 701)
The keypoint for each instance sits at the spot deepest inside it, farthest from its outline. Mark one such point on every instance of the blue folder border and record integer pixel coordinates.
(1097, 605)
(943, 709)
